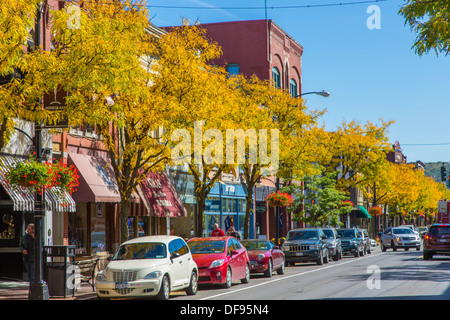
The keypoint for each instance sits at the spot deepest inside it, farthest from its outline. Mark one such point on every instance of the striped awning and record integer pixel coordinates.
(23, 199)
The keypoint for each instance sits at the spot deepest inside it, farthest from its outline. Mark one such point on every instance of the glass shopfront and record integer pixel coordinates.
(226, 205)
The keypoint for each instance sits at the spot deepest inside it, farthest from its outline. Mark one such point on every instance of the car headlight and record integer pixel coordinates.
(153, 275)
(260, 257)
(217, 263)
(101, 276)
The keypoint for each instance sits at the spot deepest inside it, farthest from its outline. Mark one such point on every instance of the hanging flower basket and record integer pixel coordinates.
(375, 211)
(346, 203)
(36, 176)
(65, 177)
(279, 199)
(29, 174)
(401, 213)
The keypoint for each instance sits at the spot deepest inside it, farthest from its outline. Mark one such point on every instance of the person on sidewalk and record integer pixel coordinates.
(27, 248)
(217, 232)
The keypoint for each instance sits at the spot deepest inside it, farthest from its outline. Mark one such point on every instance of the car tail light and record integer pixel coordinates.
(427, 237)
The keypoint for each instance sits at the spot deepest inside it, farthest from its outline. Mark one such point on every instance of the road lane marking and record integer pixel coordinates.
(291, 276)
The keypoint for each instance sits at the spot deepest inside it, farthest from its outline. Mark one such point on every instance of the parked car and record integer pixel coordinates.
(422, 231)
(220, 260)
(373, 243)
(333, 243)
(351, 243)
(436, 241)
(307, 244)
(399, 237)
(149, 266)
(364, 235)
(265, 257)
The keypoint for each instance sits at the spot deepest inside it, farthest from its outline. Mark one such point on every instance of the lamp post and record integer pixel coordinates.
(322, 93)
(38, 289)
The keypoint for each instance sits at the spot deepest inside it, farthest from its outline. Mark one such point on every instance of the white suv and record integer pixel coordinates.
(149, 266)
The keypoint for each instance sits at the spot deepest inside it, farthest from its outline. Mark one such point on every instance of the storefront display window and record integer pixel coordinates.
(78, 232)
(98, 237)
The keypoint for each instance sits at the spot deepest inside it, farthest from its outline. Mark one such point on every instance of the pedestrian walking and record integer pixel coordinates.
(27, 248)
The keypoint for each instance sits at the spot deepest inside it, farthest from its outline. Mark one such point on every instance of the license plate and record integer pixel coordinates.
(442, 240)
(298, 254)
(121, 285)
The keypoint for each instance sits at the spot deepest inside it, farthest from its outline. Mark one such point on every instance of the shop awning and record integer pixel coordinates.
(23, 199)
(160, 197)
(97, 179)
(362, 212)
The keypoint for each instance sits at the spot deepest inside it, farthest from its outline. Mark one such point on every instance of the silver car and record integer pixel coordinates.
(399, 237)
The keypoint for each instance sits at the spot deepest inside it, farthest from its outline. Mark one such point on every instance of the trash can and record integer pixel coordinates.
(59, 270)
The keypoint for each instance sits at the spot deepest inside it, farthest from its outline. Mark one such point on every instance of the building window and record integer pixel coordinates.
(276, 77)
(293, 88)
(233, 69)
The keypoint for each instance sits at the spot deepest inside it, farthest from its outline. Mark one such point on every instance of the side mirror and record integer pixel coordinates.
(234, 252)
(174, 255)
(324, 237)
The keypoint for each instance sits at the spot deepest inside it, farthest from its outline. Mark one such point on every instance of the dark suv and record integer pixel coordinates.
(436, 241)
(351, 242)
(305, 245)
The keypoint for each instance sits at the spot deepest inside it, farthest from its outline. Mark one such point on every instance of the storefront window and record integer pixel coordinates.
(98, 238)
(209, 221)
(78, 232)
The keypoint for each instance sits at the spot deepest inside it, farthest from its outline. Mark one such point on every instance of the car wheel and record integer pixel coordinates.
(228, 279)
(383, 248)
(427, 255)
(269, 270)
(320, 260)
(247, 275)
(336, 256)
(281, 269)
(164, 291)
(193, 286)
(393, 246)
(356, 253)
(325, 258)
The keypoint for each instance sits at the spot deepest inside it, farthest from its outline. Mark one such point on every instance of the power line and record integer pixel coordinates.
(266, 7)
(426, 144)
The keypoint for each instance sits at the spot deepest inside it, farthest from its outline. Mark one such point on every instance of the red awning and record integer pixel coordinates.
(160, 197)
(97, 179)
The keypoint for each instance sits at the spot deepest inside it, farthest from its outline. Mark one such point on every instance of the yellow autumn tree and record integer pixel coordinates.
(20, 87)
(358, 151)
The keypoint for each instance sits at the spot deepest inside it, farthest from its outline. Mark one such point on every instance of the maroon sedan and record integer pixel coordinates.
(264, 256)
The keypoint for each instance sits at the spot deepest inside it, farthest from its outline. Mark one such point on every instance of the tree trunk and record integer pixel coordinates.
(124, 209)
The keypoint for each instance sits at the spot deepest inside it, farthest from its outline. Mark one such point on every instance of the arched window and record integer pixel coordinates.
(233, 69)
(276, 77)
(293, 88)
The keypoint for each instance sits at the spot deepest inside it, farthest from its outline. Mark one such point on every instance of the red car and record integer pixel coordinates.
(264, 256)
(220, 260)
(436, 241)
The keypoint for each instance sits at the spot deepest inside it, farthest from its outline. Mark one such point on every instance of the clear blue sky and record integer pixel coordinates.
(370, 73)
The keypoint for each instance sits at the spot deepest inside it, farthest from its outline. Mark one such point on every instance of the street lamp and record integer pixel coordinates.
(322, 93)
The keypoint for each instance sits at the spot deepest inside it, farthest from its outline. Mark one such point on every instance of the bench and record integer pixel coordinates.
(87, 271)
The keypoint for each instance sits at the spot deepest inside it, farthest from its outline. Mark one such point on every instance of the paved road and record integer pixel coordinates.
(388, 275)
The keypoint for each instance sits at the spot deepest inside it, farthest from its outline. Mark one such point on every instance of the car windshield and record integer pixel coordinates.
(347, 233)
(302, 235)
(144, 250)
(256, 245)
(402, 231)
(207, 246)
(440, 230)
(329, 233)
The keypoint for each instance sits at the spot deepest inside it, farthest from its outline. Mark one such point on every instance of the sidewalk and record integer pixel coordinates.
(18, 290)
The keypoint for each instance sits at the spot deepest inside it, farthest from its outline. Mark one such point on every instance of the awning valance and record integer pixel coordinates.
(362, 212)
(23, 199)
